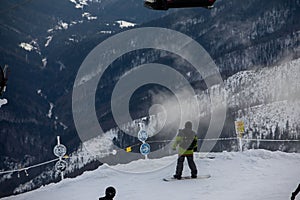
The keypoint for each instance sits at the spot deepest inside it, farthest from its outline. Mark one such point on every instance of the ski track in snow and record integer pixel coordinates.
(253, 174)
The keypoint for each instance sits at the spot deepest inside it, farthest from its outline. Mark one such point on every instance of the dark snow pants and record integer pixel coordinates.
(191, 163)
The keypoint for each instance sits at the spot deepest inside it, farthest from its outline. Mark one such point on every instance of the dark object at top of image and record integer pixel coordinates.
(166, 4)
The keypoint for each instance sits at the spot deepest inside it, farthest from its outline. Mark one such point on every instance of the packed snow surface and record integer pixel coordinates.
(253, 174)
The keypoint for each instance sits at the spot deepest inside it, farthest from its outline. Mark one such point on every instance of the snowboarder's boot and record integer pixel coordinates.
(177, 176)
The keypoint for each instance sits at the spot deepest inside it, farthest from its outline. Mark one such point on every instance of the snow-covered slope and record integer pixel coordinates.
(254, 174)
(267, 100)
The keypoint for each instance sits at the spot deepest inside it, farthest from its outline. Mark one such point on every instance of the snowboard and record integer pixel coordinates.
(208, 157)
(168, 179)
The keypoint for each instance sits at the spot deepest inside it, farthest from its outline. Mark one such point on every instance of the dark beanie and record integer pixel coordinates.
(110, 192)
(188, 125)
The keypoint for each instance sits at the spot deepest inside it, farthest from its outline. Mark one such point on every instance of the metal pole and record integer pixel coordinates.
(62, 175)
(240, 144)
(58, 140)
(60, 158)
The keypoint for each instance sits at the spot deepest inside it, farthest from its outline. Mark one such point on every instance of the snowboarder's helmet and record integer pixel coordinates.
(110, 192)
(188, 125)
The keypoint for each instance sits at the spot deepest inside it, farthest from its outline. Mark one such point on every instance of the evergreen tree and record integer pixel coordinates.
(277, 132)
(286, 131)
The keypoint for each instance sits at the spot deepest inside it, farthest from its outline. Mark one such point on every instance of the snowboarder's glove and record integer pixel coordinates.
(195, 149)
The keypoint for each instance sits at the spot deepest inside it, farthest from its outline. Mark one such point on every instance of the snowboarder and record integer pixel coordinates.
(110, 192)
(294, 194)
(186, 139)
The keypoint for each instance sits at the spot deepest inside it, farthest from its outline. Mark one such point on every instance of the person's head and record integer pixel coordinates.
(110, 192)
(188, 125)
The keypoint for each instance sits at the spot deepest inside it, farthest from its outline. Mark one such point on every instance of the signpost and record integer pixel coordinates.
(60, 151)
(240, 130)
(60, 165)
(143, 136)
(145, 149)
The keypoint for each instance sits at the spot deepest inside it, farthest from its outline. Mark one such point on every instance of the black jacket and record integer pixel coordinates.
(297, 190)
(105, 198)
(294, 194)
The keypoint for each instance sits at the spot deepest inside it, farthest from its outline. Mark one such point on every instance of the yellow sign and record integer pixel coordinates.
(128, 149)
(239, 127)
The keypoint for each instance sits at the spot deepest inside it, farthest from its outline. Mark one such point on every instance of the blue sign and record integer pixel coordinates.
(145, 149)
(142, 135)
(60, 150)
(61, 165)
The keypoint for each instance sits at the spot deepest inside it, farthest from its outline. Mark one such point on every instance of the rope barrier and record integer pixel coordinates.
(27, 168)
(222, 139)
(269, 140)
(209, 139)
(214, 139)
